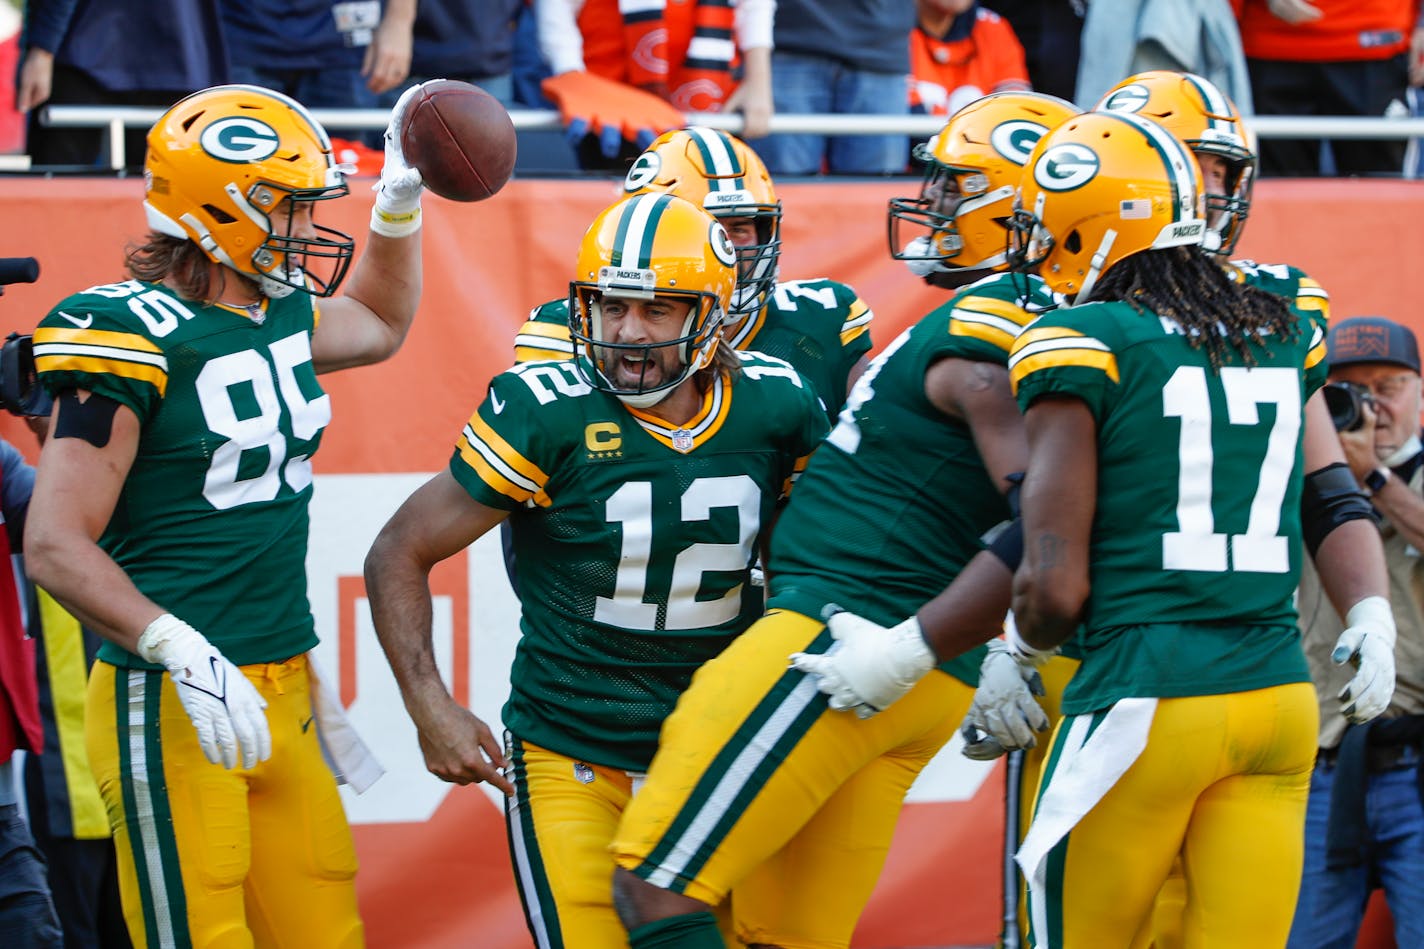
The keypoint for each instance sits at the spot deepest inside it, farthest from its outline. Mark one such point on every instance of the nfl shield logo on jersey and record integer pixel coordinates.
(682, 440)
(583, 772)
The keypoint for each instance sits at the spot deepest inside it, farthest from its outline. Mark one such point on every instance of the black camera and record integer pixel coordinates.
(1347, 401)
(20, 391)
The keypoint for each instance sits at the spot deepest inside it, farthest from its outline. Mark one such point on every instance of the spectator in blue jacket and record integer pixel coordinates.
(113, 52)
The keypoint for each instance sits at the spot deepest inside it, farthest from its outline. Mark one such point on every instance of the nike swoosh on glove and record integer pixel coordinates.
(225, 708)
(1368, 644)
(869, 666)
(615, 112)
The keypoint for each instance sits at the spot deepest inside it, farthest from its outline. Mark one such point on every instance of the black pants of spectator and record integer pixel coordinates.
(27, 916)
(1051, 32)
(59, 147)
(1342, 88)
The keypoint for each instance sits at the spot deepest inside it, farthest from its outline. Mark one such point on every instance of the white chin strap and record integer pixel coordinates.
(1095, 267)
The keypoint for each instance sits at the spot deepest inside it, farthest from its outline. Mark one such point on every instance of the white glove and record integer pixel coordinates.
(1293, 11)
(1004, 715)
(397, 209)
(916, 258)
(1368, 644)
(224, 707)
(869, 666)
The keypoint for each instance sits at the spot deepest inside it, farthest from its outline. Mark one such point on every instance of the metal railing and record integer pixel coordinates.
(118, 118)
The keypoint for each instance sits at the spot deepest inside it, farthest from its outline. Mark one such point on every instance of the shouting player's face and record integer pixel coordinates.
(643, 325)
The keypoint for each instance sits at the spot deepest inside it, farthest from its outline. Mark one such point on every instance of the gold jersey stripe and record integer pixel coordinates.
(116, 340)
(551, 330)
(1003, 309)
(796, 471)
(1317, 349)
(494, 478)
(1053, 358)
(857, 322)
(155, 376)
(1040, 333)
(524, 354)
(506, 452)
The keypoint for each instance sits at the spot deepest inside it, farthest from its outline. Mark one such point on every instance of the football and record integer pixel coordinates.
(460, 138)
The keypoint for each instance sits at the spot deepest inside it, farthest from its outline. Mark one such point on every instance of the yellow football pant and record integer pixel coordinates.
(1223, 782)
(215, 858)
(560, 822)
(758, 786)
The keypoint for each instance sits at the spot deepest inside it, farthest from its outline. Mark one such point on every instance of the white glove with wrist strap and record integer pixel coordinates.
(397, 209)
(869, 666)
(1368, 644)
(225, 708)
(1004, 715)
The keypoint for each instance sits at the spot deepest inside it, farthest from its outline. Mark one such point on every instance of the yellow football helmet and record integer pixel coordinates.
(720, 173)
(646, 246)
(972, 167)
(1102, 187)
(1200, 114)
(221, 160)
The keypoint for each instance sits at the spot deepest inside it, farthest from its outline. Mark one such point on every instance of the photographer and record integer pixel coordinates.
(1365, 823)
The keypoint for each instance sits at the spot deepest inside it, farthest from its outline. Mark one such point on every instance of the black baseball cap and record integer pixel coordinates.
(1372, 339)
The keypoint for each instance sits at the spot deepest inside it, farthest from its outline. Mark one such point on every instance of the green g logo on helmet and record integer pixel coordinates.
(239, 140)
(722, 246)
(643, 173)
(1127, 99)
(1066, 167)
(1015, 140)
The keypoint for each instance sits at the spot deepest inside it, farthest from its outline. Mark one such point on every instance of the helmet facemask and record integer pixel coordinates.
(948, 193)
(1226, 210)
(286, 262)
(758, 264)
(693, 348)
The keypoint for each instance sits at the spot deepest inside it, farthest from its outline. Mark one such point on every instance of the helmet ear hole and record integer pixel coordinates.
(218, 214)
(1073, 243)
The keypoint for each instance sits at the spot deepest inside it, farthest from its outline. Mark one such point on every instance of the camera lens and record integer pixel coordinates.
(1343, 399)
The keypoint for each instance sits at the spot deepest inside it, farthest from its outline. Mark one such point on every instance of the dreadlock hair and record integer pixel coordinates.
(1188, 287)
(162, 256)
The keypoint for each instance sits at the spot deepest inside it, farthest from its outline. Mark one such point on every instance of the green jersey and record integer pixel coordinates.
(211, 522)
(1290, 283)
(1196, 542)
(819, 326)
(896, 502)
(634, 539)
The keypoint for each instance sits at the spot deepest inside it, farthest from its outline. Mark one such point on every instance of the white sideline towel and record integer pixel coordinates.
(346, 754)
(1085, 772)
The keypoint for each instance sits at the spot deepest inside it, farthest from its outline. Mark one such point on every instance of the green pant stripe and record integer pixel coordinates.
(1046, 925)
(540, 912)
(735, 776)
(155, 849)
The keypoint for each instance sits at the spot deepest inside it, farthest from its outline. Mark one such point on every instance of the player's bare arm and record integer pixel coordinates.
(77, 485)
(436, 522)
(368, 322)
(1059, 501)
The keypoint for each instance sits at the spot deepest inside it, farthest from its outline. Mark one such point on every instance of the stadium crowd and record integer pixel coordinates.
(621, 73)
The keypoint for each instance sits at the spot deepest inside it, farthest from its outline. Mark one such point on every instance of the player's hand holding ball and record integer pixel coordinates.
(447, 136)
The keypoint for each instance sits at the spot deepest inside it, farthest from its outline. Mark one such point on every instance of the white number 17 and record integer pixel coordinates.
(1196, 545)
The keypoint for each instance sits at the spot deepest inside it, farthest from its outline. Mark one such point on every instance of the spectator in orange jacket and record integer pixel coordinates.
(1329, 57)
(959, 52)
